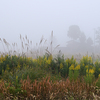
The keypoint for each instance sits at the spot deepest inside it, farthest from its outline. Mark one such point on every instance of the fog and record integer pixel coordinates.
(37, 19)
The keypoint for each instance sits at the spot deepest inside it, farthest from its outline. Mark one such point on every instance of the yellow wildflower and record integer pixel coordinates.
(50, 57)
(34, 60)
(99, 75)
(18, 66)
(87, 71)
(61, 65)
(90, 59)
(71, 67)
(86, 66)
(48, 61)
(77, 67)
(29, 58)
(99, 69)
(91, 71)
(66, 60)
(45, 59)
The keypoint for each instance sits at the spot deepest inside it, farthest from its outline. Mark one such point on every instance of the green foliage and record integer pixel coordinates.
(97, 69)
(71, 74)
(13, 69)
(98, 83)
(74, 72)
(85, 62)
(16, 91)
(11, 63)
(88, 78)
(10, 66)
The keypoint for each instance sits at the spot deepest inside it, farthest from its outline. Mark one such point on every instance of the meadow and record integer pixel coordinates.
(47, 77)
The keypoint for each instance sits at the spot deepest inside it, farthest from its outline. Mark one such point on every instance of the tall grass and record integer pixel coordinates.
(35, 74)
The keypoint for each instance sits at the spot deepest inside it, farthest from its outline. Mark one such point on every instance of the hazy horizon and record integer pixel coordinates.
(39, 18)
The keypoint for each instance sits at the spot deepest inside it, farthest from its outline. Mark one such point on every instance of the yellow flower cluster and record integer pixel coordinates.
(68, 61)
(29, 58)
(50, 57)
(77, 67)
(99, 75)
(2, 58)
(86, 66)
(90, 59)
(90, 71)
(72, 67)
(34, 60)
(48, 61)
(61, 65)
(45, 59)
(86, 58)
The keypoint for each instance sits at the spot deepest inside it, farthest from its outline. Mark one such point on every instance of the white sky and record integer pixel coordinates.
(35, 18)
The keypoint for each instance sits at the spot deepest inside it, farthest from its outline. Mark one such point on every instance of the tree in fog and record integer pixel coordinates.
(97, 40)
(89, 45)
(89, 41)
(82, 43)
(74, 32)
(98, 36)
(82, 38)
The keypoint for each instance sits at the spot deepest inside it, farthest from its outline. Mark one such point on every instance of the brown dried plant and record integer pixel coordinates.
(58, 90)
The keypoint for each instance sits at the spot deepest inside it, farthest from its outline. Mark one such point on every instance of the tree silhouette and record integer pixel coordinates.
(74, 32)
(98, 36)
(89, 41)
(82, 38)
(89, 46)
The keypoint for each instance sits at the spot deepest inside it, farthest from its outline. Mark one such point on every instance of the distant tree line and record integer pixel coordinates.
(79, 43)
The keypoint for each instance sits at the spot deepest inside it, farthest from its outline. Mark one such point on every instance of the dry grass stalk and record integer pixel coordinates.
(41, 40)
(64, 89)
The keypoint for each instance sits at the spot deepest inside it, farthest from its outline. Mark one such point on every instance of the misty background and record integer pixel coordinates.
(73, 24)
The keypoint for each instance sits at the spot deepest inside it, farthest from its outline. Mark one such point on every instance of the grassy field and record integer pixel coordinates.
(48, 77)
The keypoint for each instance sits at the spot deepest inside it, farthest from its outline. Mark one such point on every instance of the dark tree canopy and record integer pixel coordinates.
(82, 38)
(74, 32)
